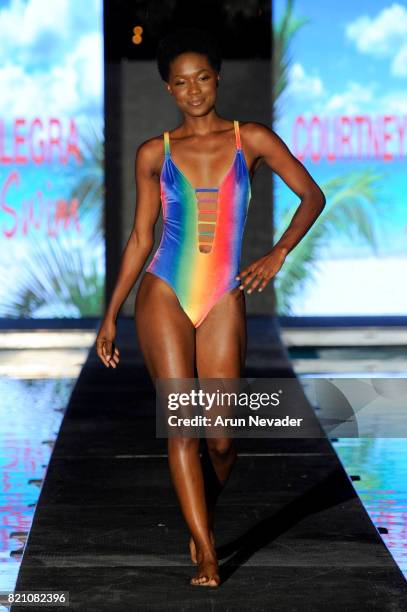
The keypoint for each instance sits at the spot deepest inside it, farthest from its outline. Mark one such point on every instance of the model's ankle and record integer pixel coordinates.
(205, 553)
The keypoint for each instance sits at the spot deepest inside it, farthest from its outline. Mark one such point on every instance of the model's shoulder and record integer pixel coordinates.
(151, 147)
(150, 153)
(254, 129)
(261, 139)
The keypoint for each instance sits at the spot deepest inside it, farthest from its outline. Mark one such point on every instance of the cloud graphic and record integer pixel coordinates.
(51, 61)
(354, 99)
(360, 98)
(383, 36)
(357, 98)
(302, 83)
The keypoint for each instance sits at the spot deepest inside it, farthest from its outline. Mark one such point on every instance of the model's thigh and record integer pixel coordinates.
(165, 333)
(221, 338)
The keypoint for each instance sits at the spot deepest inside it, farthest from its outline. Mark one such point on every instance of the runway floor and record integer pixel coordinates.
(291, 532)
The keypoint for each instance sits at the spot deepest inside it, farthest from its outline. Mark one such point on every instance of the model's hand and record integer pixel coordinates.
(261, 271)
(108, 353)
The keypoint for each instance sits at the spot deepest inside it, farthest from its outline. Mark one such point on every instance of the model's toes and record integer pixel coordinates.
(213, 581)
(205, 581)
(199, 579)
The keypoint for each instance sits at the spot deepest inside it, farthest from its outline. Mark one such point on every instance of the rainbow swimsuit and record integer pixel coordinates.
(199, 251)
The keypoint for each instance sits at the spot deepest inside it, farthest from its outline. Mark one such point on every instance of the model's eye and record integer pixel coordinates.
(205, 78)
(179, 83)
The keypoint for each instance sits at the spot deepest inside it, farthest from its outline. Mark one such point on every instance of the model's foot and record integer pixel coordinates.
(208, 571)
(192, 547)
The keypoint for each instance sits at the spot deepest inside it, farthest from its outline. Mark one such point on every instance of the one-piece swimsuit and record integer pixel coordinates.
(200, 248)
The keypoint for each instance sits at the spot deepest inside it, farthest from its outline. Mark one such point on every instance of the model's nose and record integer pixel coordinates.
(193, 89)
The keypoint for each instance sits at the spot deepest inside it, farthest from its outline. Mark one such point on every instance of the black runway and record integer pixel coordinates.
(291, 533)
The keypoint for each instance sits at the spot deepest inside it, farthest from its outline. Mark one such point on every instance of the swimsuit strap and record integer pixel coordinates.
(237, 134)
(166, 144)
(167, 139)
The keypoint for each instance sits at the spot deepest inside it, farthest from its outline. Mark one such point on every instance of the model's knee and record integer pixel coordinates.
(220, 447)
(182, 445)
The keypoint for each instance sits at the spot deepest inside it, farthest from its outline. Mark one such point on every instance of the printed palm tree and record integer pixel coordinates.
(349, 205)
(90, 188)
(284, 31)
(64, 277)
(351, 199)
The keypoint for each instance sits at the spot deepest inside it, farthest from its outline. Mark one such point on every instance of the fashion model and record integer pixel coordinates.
(190, 305)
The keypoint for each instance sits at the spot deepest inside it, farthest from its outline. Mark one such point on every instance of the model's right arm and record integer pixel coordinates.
(138, 247)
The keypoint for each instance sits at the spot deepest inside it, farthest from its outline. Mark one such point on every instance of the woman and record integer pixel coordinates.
(190, 305)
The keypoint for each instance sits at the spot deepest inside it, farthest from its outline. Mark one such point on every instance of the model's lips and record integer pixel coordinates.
(195, 102)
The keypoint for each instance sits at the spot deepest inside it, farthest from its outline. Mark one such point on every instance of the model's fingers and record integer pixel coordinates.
(246, 279)
(255, 283)
(101, 352)
(107, 349)
(263, 284)
(249, 278)
(243, 273)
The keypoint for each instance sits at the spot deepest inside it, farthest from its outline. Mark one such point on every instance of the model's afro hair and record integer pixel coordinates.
(185, 40)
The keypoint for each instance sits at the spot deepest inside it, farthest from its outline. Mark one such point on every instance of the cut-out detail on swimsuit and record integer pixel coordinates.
(206, 224)
(199, 252)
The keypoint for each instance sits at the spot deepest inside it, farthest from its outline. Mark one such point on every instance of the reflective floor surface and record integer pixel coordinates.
(377, 466)
(37, 375)
(38, 371)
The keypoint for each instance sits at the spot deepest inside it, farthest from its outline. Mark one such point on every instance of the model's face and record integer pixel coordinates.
(192, 82)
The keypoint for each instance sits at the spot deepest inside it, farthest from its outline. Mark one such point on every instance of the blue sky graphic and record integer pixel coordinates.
(350, 59)
(51, 65)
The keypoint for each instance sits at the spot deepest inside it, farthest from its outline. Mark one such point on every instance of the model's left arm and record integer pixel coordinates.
(266, 145)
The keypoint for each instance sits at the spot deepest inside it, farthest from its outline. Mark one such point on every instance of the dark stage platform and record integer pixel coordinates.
(291, 533)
